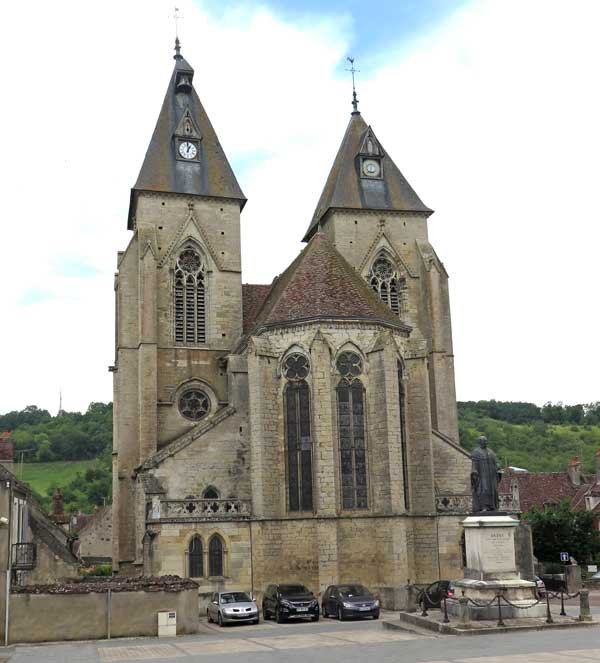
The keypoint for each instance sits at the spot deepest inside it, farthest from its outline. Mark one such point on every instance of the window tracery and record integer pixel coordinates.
(351, 430)
(194, 404)
(385, 281)
(298, 433)
(190, 296)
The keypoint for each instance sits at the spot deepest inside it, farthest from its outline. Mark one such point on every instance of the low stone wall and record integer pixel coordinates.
(100, 609)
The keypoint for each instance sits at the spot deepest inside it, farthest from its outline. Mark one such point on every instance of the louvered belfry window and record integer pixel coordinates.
(384, 280)
(298, 433)
(351, 426)
(190, 297)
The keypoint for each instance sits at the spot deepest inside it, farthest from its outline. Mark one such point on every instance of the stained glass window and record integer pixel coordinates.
(299, 446)
(215, 556)
(190, 300)
(195, 558)
(385, 281)
(194, 404)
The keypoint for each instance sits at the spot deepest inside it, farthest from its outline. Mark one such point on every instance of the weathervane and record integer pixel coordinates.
(177, 16)
(353, 70)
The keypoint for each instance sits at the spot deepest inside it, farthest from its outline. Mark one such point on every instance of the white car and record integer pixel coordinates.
(229, 607)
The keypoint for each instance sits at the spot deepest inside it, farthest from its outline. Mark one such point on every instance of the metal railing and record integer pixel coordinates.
(23, 556)
(200, 509)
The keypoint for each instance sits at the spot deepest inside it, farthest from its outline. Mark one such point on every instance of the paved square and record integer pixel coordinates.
(138, 653)
(232, 646)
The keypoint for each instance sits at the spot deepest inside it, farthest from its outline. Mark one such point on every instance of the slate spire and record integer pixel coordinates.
(364, 177)
(200, 167)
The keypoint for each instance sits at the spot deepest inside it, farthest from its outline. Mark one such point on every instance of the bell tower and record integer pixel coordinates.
(375, 219)
(178, 296)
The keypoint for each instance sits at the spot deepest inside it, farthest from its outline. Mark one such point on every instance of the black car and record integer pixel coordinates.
(433, 595)
(345, 601)
(285, 601)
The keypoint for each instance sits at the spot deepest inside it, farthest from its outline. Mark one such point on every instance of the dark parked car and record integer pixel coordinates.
(344, 601)
(285, 601)
(433, 595)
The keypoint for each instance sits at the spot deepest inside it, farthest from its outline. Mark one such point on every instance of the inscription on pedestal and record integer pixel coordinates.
(498, 551)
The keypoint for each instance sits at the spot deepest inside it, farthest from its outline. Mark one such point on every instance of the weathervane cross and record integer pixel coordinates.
(177, 17)
(353, 71)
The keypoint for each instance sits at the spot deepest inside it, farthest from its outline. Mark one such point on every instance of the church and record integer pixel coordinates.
(299, 431)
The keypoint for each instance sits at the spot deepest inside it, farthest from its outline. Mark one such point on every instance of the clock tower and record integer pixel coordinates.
(178, 296)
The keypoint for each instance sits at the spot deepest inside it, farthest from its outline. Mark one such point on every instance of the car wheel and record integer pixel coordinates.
(315, 618)
(376, 615)
(219, 619)
(324, 612)
(340, 613)
(208, 617)
(279, 618)
(256, 621)
(265, 613)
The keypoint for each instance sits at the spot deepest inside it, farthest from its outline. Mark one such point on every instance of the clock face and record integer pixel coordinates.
(371, 168)
(188, 150)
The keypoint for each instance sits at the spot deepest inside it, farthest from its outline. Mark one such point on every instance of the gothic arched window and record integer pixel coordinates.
(190, 296)
(351, 427)
(195, 564)
(298, 437)
(385, 281)
(215, 556)
(403, 447)
(210, 493)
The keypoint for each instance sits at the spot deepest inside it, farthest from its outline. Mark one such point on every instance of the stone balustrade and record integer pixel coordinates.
(199, 509)
(463, 503)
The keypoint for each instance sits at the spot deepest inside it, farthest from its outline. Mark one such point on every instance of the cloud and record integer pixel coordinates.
(491, 115)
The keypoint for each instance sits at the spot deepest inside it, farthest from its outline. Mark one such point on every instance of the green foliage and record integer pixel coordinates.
(557, 529)
(104, 570)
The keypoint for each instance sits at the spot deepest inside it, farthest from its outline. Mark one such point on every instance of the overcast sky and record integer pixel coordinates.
(489, 107)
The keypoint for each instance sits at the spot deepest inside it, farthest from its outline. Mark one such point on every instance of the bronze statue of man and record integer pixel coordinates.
(485, 477)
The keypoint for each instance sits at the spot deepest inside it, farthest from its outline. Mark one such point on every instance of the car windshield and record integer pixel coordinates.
(290, 590)
(350, 591)
(234, 597)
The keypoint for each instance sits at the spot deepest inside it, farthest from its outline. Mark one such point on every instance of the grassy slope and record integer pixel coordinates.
(40, 476)
(536, 447)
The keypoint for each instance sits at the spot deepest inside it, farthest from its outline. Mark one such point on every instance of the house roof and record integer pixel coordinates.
(210, 173)
(320, 283)
(541, 488)
(345, 187)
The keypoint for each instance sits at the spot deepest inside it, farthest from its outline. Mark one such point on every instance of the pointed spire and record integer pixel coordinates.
(354, 97)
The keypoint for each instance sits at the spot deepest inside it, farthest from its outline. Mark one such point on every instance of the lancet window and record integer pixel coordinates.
(385, 281)
(403, 447)
(190, 296)
(298, 436)
(215, 556)
(351, 427)
(195, 562)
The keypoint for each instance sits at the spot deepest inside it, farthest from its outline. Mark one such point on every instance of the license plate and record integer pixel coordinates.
(364, 609)
(302, 609)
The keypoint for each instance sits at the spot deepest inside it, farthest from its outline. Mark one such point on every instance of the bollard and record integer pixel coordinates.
(463, 611)
(445, 620)
(562, 604)
(584, 606)
(424, 612)
(500, 622)
(549, 619)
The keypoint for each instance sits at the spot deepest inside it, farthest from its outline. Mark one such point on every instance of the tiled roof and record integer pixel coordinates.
(320, 283)
(253, 297)
(345, 188)
(540, 488)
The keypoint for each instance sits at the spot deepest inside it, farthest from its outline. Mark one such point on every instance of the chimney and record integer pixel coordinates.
(57, 503)
(574, 471)
(7, 450)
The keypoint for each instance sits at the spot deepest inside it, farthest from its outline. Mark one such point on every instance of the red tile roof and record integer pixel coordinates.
(253, 297)
(320, 283)
(540, 488)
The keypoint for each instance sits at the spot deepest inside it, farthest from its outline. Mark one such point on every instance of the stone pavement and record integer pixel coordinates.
(327, 640)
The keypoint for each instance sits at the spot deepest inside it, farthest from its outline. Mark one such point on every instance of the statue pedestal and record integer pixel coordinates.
(491, 568)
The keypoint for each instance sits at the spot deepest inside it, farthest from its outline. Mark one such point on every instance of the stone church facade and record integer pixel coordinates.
(304, 430)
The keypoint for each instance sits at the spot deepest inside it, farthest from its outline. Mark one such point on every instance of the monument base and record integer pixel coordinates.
(491, 570)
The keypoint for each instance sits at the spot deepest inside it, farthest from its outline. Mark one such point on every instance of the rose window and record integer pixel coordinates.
(194, 404)
(296, 366)
(189, 261)
(349, 365)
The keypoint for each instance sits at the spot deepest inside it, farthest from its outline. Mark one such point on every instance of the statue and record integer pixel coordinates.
(485, 477)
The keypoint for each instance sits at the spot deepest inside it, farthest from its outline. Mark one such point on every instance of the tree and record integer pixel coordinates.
(555, 529)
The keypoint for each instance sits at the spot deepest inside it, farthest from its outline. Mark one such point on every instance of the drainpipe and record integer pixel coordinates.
(251, 563)
(9, 564)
